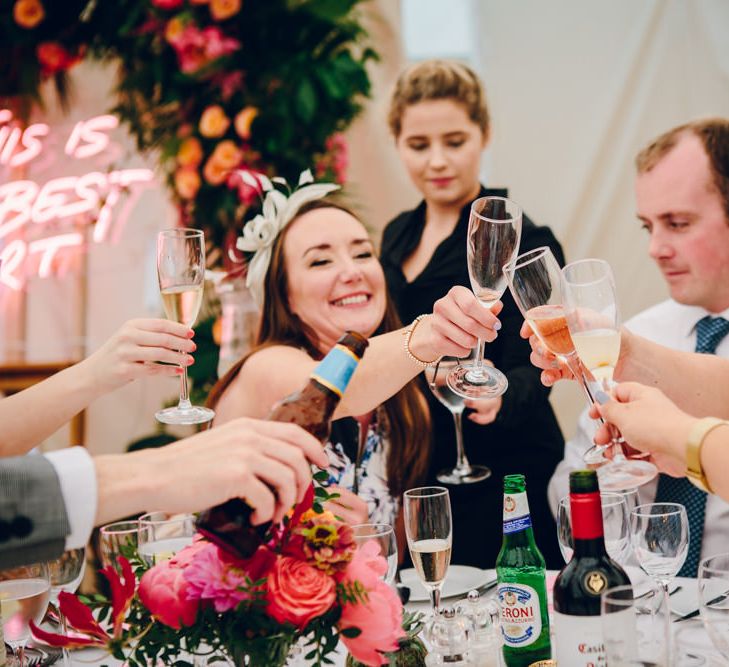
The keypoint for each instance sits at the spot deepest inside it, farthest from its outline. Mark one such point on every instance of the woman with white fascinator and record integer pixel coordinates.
(315, 275)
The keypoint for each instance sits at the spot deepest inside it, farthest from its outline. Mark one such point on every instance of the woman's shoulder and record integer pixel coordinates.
(275, 355)
(399, 224)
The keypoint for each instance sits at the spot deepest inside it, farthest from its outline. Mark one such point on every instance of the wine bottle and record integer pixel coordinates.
(228, 525)
(522, 586)
(577, 590)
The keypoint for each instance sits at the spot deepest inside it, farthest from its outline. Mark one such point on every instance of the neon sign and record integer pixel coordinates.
(89, 198)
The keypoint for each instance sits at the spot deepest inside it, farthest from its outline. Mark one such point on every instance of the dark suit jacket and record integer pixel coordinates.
(33, 520)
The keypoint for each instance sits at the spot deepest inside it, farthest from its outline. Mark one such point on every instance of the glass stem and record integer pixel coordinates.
(667, 622)
(478, 364)
(462, 464)
(435, 599)
(64, 631)
(184, 393)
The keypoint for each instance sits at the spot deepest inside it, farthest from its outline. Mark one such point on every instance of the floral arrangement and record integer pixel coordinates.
(307, 580)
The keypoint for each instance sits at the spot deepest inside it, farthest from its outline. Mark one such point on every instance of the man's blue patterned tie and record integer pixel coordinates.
(709, 333)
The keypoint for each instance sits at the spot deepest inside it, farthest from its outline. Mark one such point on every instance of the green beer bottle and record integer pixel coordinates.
(522, 589)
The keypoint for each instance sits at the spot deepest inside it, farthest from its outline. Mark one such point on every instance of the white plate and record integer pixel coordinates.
(459, 580)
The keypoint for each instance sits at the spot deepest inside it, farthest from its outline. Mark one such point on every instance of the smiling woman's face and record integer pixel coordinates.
(335, 281)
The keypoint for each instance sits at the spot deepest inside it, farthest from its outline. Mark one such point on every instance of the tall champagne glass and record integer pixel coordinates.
(659, 535)
(66, 573)
(494, 232)
(463, 472)
(24, 593)
(181, 273)
(591, 308)
(429, 530)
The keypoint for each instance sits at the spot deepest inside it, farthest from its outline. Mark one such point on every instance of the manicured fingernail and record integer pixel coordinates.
(601, 397)
(497, 326)
(189, 360)
(194, 347)
(190, 333)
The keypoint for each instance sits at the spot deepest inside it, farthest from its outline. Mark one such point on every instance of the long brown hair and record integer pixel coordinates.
(408, 418)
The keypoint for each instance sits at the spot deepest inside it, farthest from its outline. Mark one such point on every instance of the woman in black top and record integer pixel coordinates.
(439, 119)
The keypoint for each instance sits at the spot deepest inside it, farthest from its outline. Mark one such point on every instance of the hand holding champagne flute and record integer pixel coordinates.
(181, 273)
(429, 532)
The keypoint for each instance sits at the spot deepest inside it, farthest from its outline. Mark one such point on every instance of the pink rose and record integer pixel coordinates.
(380, 622)
(167, 4)
(163, 590)
(298, 592)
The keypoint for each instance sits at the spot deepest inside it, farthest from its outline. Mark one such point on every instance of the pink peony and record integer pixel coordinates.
(197, 48)
(298, 592)
(164, 591)
(367, 566)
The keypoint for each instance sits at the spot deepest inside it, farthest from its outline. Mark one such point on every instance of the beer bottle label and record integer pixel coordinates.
(335, 370)
(521, 618)
(516, 513)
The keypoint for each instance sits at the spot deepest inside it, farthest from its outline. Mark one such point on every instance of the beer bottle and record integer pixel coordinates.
(522, 586)
(577, 590)
(228, 525)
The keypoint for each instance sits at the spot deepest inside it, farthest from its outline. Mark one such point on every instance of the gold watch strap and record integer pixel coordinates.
(696, 436)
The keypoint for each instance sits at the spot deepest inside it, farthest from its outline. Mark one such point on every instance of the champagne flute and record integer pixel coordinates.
(66, 573)
(161, 535)
(181, 273)
(494, 232)
(659, 534)
(591, 308)
(384, 536)
(714, 600)
(24, 594)
(463, 472)
(429, 531)
(116, 538)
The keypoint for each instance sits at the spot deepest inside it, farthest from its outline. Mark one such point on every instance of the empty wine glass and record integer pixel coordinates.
(463, 472)
(616, 526)
(494, 232)
(591, 308)
(659, 535)
(429, 530)
(116, 539)
(66, 573)
(384, 536)
(161, 535)
(714, 600)
(693, 646)
(24, 595)
(181, 273)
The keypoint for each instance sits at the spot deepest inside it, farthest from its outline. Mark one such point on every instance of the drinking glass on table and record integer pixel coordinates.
(615, 520)
(116, 539)
(181, 273)
(66, 573)
(463, 472)
(161, 535)
(384, 536)
(714, 600)
(494, 232)
(24, 594)
(659, 535)
(591, 309)
(429, 531)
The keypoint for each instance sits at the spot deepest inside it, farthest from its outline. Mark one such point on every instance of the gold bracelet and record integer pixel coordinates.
(694, 470)
(408, 334)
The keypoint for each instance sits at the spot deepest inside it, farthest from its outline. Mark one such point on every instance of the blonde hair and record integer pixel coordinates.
(438, 80)
(714, 136)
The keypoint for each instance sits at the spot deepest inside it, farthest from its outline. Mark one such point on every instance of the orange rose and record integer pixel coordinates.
(187, 182)
(298, 592)
(243, 120)
(214, 172)
(174, 29)
(28, 13)
(190, 153)
(224, 9)
(214, 122)
(227, 155)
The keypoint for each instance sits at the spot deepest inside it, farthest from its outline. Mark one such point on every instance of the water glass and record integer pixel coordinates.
(692, 646)
(384, 536)
(115, 539)
(161, 535)
(714, 599)
(66, 573)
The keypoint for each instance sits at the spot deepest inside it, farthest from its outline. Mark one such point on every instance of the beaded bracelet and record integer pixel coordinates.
(408, 334)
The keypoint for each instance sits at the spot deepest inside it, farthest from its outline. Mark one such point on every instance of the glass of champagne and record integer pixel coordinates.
(659, 535)
(463, 472)
(384, 536)
(591, 309)
(24, 595)
(161, 535)
(429, 531)
(494, 232)
(714, 600)
(66, 573)
(181, 273)
(116, 538)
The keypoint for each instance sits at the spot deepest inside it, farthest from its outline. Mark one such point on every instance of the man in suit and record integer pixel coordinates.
(51, 503)
(682, 195)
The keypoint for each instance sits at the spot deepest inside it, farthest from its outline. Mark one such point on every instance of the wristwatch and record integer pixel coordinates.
(697, 434)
